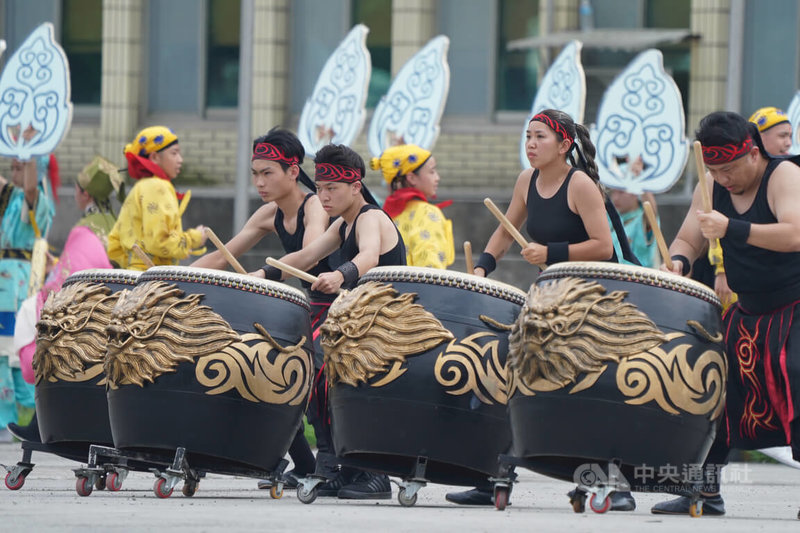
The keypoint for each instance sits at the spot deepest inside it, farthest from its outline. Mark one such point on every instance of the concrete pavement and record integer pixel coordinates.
(760, 498)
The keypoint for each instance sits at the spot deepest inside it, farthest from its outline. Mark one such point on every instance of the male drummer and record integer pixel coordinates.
(756, 216)
(364, 233)
(366, 238)
(298, 218)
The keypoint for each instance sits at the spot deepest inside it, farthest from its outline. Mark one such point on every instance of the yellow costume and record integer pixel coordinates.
(151, 214)
(151, 218)
(427, 234)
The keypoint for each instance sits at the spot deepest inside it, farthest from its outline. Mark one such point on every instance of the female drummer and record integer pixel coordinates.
(565, 211)
(410, 172)
(563, 205)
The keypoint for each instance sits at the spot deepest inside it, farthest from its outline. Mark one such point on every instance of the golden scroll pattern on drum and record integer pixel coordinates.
(370, 331)
(70, 334)
(570, 330)
(154, 328)
(472, 365)
(245, 367)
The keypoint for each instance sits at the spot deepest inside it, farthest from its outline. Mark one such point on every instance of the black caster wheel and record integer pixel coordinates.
(306, 496)
(406, 501)
(189, 488)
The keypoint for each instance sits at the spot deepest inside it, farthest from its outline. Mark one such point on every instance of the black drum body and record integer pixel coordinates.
(441, 395)
(214, 362)
(595, 381)
(71, 401)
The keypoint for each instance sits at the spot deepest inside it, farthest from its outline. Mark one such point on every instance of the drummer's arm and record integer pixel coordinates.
(517, 213)
(310, 255)
(689, 242)
(588, 202)
(260, 224)
(783, 196)
(316, 220)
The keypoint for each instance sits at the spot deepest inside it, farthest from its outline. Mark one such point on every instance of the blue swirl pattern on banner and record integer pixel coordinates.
(35, 93)
(335, 111)
(641, 114)
(410, 112)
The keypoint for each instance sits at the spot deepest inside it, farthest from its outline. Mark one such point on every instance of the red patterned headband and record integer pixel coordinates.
(555, 125)
(273, 153)
(331, 172)
(718, 155)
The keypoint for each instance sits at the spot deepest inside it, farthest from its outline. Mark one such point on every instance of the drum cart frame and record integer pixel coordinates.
(16, 474)
(598, 494)
(177, 468)
(327, 463)
(409, 485)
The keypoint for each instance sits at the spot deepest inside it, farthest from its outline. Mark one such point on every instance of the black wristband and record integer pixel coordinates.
(686, 265)
(557, 252)
(349, 272)
(738, 230)
(272, 273)
(487, 262)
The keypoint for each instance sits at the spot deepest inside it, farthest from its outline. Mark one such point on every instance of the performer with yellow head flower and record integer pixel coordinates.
(411, 173)
(775, 129)
(151, 214)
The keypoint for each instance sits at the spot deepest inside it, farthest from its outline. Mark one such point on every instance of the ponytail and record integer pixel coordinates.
(586, 152)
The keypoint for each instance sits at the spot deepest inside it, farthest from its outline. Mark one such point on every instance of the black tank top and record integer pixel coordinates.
(550, 219)
(349, 247)
(293, 242)
(763, 279)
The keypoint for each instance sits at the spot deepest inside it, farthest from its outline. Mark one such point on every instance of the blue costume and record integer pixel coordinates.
(16, 244)
(642, 241)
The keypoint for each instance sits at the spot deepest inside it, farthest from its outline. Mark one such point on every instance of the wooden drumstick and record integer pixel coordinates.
(701, 176)
(468, 257)
(142, 256)
(662, 244)
(224, 251)
(292, 271)
(509, 227)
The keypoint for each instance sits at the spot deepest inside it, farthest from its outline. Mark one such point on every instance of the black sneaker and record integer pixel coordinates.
(29, 433)
(367, 486)
(330, 489)
(712, 506)
(474, 496)
(622, 501)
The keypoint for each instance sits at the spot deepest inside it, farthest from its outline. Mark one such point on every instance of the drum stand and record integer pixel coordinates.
(177, 469)
(600, 489)
(326, 469)
(503, 483)
(16, 474)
